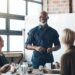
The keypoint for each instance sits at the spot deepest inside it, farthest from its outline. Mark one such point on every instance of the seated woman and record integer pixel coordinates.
(68, 59)
(4, 63)
(5, 68)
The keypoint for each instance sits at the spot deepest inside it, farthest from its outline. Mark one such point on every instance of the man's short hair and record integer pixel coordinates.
(44, 13)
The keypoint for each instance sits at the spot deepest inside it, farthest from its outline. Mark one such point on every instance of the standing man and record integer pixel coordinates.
(41, 40)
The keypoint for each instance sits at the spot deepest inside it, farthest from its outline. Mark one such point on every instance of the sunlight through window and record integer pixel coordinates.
(3, 6)
(17, 7)
(16, 43)
(34, 8)
(5, 42)
(17, 24)
(2, 23)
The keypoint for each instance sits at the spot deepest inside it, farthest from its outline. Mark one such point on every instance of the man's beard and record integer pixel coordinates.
(43, 23)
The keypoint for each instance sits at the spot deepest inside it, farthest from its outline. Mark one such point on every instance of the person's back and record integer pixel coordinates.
(68, 59)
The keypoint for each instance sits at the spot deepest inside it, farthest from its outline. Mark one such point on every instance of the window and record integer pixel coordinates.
(2, 23)
(16, 43)
(17, 24)
(12, 21)
(17, 7)
(34, 6)
(3, 6)
(12, 14)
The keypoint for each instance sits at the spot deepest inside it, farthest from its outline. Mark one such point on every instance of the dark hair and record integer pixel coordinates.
(44, 13)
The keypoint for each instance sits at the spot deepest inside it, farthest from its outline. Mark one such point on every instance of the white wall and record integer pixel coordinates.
(57, 21)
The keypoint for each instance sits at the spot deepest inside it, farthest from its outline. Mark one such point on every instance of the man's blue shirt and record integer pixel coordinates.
(45, 37)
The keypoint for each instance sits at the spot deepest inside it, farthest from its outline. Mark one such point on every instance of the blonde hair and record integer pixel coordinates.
(68, 36)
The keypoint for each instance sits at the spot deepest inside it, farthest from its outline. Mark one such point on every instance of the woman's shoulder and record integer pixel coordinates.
(70, 53)
(65, 55)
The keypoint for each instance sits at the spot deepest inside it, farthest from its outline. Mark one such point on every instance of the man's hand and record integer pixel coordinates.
(49, 50)
(5, 68)
(40, 49)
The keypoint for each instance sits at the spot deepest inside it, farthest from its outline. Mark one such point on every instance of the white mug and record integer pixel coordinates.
(48, 65)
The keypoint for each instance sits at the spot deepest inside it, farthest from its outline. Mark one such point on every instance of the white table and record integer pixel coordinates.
(51, 74)
(35, 72)
(29, 74)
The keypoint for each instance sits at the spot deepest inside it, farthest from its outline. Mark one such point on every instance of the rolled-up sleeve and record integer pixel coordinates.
(56, 39)
(30, 38)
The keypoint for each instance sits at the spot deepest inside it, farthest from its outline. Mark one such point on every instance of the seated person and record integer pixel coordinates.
(68, 58)
(4, 63)
(5, 68)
